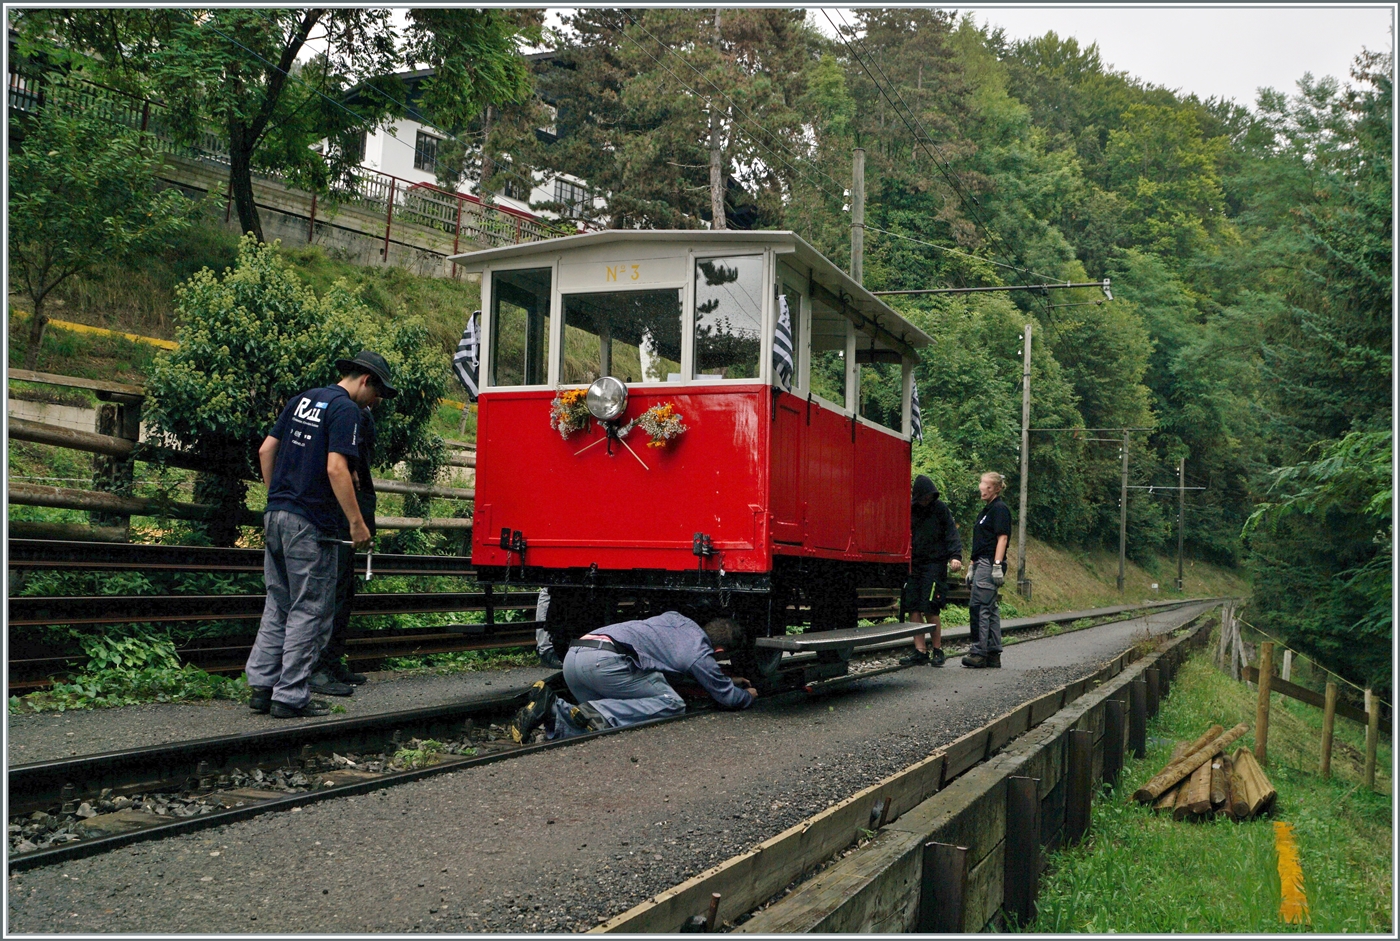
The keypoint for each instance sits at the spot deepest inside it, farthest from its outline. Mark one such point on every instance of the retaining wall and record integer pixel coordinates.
(899, 883)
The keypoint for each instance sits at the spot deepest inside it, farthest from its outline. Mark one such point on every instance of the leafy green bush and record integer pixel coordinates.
(123, 670)
(257, 335)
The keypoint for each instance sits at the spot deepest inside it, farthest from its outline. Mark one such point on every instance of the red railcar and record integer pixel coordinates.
(776, 497)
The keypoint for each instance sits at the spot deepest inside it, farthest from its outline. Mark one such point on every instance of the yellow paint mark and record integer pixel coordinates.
(102, 331)
(1293, 908)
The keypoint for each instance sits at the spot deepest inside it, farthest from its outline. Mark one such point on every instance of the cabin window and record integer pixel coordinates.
(828, 370)
(881, 382)
(633, 335)
(520, 326)
(728, 317)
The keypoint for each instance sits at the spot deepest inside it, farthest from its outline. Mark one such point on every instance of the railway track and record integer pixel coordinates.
(88, 805)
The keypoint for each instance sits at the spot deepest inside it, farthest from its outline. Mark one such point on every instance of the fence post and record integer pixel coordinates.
(1079, 778)
(389, 217)
(1329, 718)
(1022, 848)
(1153, 676)
(1112, 741)
(1137, 718)
(1373, 728)
(943, 889)
(311, 227)
(1261, 711)
(1224, 636)
(457, 234)
(119, 416)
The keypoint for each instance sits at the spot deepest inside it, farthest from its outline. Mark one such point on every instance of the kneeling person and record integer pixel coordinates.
(615, 674)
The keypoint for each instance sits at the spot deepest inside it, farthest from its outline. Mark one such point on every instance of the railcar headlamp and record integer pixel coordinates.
(607, 399)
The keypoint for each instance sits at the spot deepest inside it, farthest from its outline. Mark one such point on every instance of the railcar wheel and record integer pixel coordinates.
(757, 661)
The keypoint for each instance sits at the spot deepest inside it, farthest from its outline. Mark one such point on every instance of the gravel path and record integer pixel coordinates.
(555, 841)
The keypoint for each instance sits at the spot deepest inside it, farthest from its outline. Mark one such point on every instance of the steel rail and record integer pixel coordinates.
(32, 786)
(126, 609)
(72, 553)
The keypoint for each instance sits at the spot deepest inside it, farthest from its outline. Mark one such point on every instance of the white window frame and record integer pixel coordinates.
(488, 326)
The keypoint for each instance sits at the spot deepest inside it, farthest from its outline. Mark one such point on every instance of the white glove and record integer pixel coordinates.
(999, 574)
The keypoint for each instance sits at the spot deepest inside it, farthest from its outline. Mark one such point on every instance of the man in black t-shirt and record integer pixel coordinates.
(307, 462)
(332, 676)
(990, 536)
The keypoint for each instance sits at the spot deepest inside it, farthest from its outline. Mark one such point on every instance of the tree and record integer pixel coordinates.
(255, 337)
(635, 92)
(81, 191)
(237, 70)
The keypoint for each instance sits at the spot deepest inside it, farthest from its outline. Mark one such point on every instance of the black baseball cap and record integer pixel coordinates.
(371, 362)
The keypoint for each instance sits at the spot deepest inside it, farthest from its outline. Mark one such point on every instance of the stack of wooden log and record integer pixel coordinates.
(1201, 780)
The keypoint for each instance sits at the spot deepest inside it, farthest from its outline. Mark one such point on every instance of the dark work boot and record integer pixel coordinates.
(974, 661)
(261, 700)
(587, 717)
(344, 674)
(994, 660)
(314, 707)
(531, 714)
(322, 682)
(917, 658)
(938, 657)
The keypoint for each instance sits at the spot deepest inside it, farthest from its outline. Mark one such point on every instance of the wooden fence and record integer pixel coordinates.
(116, 446)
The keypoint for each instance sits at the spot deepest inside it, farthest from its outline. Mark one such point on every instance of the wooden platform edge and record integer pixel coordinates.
(876, 888)
(744, 882)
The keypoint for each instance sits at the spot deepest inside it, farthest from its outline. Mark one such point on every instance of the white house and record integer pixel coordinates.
(407, 148)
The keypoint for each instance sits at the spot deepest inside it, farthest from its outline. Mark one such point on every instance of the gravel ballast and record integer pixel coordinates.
(553, 841)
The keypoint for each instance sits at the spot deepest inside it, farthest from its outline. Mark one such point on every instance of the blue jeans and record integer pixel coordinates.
(612, 683)
(299, 569)
(984, 610)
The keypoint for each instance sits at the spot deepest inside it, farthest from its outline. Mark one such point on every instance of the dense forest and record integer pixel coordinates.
(1249, 250)
(1248, 244)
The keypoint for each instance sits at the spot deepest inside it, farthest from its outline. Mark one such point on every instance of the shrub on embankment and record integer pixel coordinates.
(1144, 873)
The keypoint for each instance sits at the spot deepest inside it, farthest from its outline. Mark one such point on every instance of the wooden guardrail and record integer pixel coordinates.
(126, 449)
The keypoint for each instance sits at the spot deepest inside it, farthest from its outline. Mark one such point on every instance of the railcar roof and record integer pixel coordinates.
(823, 271)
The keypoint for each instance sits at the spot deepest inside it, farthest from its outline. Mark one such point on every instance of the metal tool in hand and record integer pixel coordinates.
(369, 558)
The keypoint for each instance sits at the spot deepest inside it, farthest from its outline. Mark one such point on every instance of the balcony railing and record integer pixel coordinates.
(403, 202)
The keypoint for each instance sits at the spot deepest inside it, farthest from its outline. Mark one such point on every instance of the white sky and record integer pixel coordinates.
(1215, 50)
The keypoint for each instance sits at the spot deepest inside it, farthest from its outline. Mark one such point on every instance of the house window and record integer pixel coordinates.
(514, 189)
(425, 152)
(571, 195)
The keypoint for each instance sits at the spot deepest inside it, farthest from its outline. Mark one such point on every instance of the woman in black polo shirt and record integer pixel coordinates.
(990, 536)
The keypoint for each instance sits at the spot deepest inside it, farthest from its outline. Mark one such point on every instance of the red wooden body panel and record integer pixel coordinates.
(759, 477)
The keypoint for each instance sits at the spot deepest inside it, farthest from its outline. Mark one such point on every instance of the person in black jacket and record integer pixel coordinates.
(934, 548)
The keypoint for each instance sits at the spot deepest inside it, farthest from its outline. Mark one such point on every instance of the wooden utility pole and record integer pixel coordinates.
(1181, 526)
(717, 220)
(1023, 584)
(858, 215)
(1123, 515)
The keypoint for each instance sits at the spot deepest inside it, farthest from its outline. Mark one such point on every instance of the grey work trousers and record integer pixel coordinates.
(299, 569)
(623, 692)
(984, 610)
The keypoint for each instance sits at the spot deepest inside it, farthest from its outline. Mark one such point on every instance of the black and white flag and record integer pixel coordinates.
(467, 359)
(916, 421)
(782, 346)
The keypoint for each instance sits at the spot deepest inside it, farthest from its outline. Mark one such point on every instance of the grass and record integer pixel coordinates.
(1142, 873)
